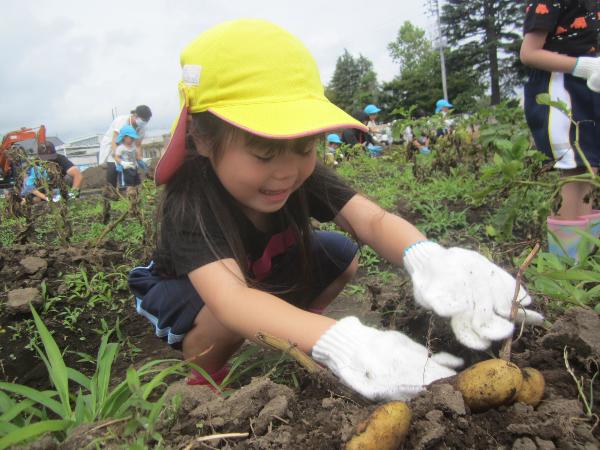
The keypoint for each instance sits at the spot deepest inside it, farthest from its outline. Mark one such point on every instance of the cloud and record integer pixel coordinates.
(67, 64)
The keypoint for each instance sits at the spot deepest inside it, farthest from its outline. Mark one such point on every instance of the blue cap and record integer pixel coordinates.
(333, 139)
(442, 103)
(371, 109)
(127, 130)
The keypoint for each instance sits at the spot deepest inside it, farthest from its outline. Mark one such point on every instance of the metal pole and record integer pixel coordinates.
(441, 43)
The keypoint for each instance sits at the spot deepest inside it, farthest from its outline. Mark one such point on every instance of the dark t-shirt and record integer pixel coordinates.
(326, 194)
(63, 162)
(572, 25)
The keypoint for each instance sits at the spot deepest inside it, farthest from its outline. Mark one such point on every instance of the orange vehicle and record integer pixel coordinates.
(12, 139)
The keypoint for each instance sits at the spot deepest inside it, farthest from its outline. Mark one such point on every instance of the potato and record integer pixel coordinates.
(384, 429)
(532, 389)
(489, 384)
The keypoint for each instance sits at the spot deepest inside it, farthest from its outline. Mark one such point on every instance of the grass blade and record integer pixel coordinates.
(57, 368)
(33, 430)
(35, 395)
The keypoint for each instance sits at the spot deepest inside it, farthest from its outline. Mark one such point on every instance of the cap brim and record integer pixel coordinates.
(173, 157)
(288, 120)
(285, 120)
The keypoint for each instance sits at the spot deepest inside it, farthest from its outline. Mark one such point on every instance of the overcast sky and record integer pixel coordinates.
(67, 64)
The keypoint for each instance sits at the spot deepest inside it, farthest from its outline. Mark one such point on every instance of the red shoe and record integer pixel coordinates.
(197, 379)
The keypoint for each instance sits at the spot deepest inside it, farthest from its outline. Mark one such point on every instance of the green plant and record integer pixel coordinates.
(354, 289)
(98, 289)
(587, 400)
(59, 410)
(25, 330)
(368, 257)
(566, 281)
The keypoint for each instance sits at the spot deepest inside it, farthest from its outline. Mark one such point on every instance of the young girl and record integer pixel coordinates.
(560, 46)
(236, 254)
(127, 157)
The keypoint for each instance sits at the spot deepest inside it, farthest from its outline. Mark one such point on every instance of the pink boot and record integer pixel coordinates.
(562, 238)
(594, 222)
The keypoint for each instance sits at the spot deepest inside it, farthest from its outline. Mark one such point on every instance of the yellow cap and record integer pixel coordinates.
(256, 76)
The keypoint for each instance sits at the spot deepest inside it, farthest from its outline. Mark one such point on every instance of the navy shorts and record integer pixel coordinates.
(552, 130)
(172, 304)
(129, 177)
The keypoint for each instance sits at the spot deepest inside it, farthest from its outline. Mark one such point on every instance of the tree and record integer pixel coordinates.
(353, 84)
(491, 25)
(410, 47)
(419, 82)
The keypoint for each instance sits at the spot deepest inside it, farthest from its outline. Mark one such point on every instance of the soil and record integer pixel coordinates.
(314, 414)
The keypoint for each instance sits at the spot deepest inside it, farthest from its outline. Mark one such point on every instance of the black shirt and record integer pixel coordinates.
(572, 25)
(326, 195)
(63, 162)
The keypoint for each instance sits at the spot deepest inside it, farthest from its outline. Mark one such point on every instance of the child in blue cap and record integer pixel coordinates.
(380, 133)
(127, 156)
(333, 144)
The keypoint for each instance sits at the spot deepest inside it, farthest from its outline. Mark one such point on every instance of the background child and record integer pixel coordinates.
(33, 186)
(560, 44)
(236, 253)
(138, 118)
(127, 157)
(333, 144)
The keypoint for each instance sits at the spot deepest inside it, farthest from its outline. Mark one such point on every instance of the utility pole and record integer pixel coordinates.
(434, 7)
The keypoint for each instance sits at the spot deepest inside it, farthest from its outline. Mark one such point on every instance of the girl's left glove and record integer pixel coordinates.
(380, 365)
(465, 286)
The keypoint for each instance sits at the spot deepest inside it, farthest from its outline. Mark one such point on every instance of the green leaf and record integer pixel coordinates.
(543, 99)
(574, 275)
(55, 363)
(133, 380)
(33, 394)
(78, 378)
(30, 431)
(7, 427)
(17, 409)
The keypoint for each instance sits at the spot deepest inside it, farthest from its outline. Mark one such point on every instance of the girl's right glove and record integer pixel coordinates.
(470, 289)
(588, 68)
(380, 365)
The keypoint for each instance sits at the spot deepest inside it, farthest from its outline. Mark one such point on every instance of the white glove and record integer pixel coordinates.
(588, 68)
(380, 365)
(466, 286)
(128, 165)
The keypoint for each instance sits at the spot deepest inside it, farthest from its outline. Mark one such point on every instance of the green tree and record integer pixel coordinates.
(487, 29)
(354, 83)
(419, 82)
(410, 47)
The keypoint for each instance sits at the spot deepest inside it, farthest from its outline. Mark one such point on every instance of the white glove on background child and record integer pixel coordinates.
(380, 365)
(588, 68)
(128, 165)
(465, 286)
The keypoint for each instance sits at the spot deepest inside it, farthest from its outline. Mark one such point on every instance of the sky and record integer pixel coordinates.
(69, 64)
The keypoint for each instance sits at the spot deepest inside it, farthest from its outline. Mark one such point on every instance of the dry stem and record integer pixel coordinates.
(287, 347)
(216, 436)
(506, 347)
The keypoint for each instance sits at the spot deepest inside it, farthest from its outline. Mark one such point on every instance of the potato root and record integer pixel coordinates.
(532, 389)
(384, 429)
(489, 384)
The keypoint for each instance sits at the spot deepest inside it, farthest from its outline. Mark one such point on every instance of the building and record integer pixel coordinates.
(82, 152)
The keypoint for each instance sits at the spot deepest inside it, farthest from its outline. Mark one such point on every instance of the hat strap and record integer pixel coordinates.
(184, 95)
